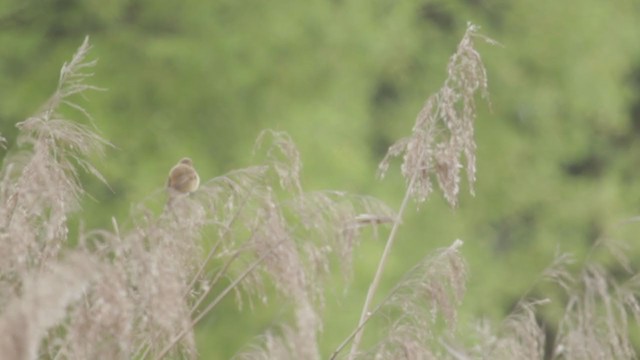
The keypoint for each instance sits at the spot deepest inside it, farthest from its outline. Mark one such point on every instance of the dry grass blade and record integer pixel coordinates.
(595, 324)
(296, 238)
(431, 294)
(443, 132)
(40, 188)
(332, 222)
(521, 337)
(26, 319)
(283, 156)
(40, 185)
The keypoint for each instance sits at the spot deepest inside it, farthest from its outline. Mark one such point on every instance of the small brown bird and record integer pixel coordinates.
(183, 178)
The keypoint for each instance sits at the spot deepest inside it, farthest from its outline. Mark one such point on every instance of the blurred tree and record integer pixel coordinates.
(557, 150)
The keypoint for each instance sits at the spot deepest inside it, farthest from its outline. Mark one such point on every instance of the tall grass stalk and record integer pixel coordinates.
(138, 290)
(366, 313)
(443, 133)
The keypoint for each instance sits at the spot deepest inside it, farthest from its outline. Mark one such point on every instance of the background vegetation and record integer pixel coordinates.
(557, 146)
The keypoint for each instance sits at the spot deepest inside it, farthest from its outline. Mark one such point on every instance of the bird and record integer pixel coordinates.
(183, 178)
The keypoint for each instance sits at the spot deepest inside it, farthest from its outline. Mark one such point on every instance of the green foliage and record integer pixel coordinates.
(557, 147)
